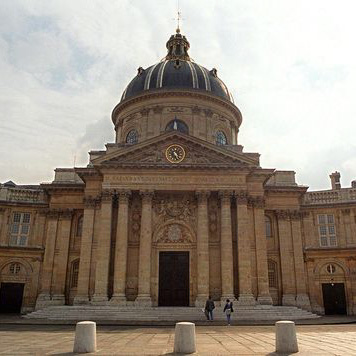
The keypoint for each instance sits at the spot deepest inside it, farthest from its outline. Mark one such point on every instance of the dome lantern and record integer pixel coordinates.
(178, 47)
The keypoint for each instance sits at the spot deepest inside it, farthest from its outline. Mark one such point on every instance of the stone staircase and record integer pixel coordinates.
(133, 314)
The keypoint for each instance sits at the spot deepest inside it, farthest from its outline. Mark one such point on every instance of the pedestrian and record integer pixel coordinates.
(209, 307)
(228, 309)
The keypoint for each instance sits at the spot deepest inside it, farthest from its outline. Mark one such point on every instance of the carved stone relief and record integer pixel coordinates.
(214, 222)
(135, 220)
(174, 233)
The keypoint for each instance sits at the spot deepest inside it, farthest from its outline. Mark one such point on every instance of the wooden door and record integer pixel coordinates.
(334, 298)
(11, 295)
(173, 279)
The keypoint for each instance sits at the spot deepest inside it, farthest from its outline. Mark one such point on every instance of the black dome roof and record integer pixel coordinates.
(177, 71)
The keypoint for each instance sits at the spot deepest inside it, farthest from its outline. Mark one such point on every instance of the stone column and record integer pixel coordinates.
(144, 271)
(244, 252)
(302, 299)
(227, 276)
(86, 242)
(2, 227)
(261, 252)
(44, 298)
(202, 249)
(103, 254)
(119, 295)
(287, 262)
(59, 280)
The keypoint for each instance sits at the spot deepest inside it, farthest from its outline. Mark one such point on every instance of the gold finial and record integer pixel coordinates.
(179, 17)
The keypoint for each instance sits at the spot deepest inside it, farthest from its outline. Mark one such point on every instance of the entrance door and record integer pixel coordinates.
(334, 298)
(11, 297)
(173, 279)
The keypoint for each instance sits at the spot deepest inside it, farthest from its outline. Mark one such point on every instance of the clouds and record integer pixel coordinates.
(289, 64)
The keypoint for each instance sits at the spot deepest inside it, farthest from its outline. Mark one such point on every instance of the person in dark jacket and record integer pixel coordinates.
(209, 307)
(228, 310)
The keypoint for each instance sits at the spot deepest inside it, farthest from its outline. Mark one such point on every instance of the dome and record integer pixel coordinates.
(177, 71)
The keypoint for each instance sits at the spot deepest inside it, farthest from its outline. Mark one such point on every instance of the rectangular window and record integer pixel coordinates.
(20, 229)
(327, 231)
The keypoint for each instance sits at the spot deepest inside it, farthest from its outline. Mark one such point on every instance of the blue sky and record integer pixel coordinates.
(291, 66)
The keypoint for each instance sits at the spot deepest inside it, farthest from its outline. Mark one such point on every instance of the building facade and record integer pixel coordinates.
(174, 211)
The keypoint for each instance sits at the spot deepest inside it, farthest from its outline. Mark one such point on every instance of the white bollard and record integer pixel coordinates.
(85, 337)
(184, 339)
(286, 337)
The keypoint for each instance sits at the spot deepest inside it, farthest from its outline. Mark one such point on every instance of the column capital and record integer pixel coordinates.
(147, 195)
(91, 202)
(2, 210)
(202, 195)
(106, 195)
(282, 214)
(124, 196)
(241, 197)
(295, 214)
(66, 214)
(52, 213)
(257, 202)
(225, 195)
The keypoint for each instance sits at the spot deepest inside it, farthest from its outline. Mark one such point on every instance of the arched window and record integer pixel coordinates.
(177, 125)
(15, 268)
(80, 226)
(132, 137)
(268, 227)
(221, 138)
(272, 274)
(74, 275)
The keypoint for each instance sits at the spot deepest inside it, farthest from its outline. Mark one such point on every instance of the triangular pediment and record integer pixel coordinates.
(152, 153)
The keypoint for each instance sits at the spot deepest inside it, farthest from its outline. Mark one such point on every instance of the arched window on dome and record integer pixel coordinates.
(132, 137)
(221, 139)
(177, 125)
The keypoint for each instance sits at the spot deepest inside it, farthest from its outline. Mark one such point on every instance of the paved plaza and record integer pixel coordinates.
(211, 340)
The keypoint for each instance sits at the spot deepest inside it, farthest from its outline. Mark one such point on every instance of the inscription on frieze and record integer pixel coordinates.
(198, 180)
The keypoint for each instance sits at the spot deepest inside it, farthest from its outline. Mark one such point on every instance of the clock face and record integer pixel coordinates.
(175, 153)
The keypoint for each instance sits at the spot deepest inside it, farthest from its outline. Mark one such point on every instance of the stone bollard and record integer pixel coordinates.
(85, 337)
(286, 337)
(184, 339)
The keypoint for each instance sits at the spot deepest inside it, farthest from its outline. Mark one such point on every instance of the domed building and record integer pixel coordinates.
(175, 211)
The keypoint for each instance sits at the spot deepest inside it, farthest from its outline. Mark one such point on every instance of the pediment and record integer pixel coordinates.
(152, 153)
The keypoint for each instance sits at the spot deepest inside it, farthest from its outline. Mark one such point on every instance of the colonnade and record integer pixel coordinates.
(202, 244)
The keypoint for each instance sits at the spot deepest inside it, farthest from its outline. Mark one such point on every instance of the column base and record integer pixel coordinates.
(143, 301)
(58, 299)
(246, 299)
(43, 301)
(119, 300)
(264, 300)
(99, 300)
(231, 298)
(81, 300)
(302, 301)
(288, 300)
(201, 300)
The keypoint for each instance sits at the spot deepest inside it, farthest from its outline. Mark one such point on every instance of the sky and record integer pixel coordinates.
(290, 65)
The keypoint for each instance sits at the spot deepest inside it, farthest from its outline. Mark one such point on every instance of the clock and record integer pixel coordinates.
(175, 153)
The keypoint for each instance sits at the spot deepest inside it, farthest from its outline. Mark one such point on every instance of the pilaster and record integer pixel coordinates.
(261, 251)
(144, 273)
(202, 249)
(44, 298)
(90, 203)
(227, 284)
(302, 298)
(287, 261)
(119, 296)
(2, 227)
(102, 264)
(243, 251)
(65, 221)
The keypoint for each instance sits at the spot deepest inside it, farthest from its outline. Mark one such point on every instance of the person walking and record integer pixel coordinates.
(209, 307)
(228, 309)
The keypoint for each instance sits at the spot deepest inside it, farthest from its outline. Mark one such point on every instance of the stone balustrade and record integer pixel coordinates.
(22, 195)
(330, 196)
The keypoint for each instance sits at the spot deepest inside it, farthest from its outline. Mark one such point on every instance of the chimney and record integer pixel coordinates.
(335, 180)
(353, 184)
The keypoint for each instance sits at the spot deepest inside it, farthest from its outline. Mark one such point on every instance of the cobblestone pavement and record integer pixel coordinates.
(211, 340)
